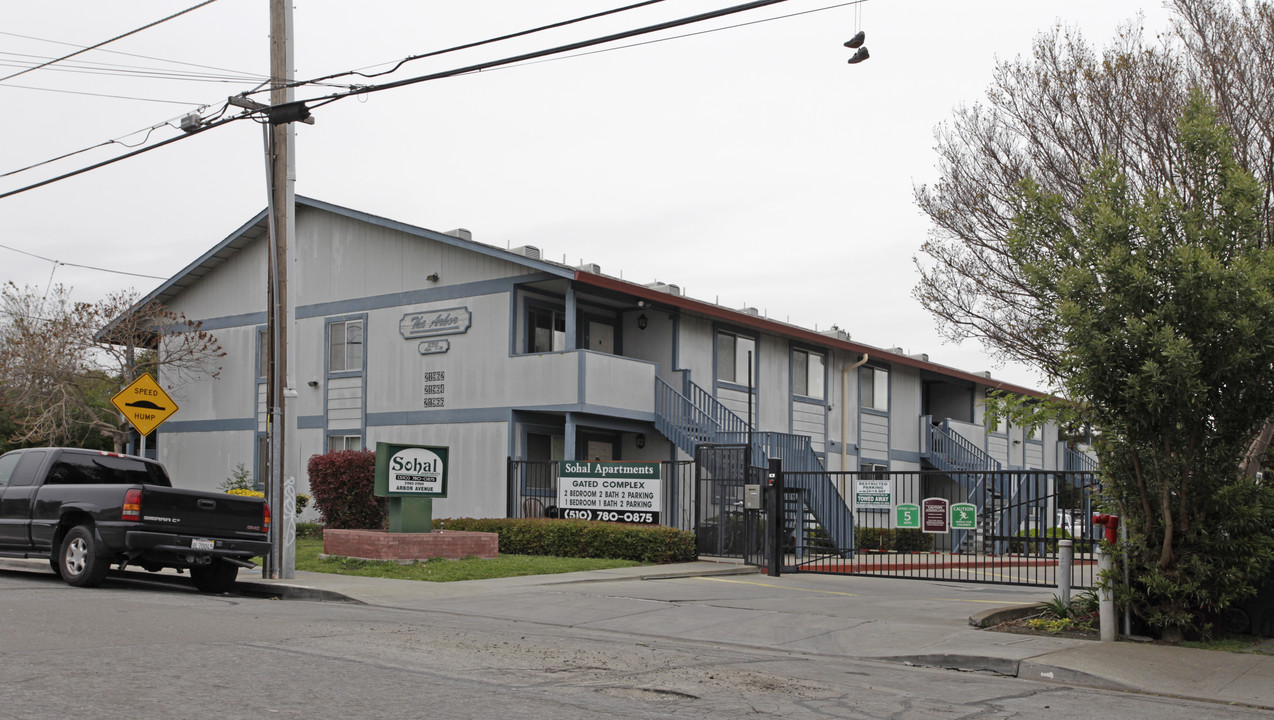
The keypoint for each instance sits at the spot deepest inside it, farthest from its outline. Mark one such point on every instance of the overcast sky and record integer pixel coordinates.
(751, 166)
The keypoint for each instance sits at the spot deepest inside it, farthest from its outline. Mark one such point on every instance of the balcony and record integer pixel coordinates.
(581, 381)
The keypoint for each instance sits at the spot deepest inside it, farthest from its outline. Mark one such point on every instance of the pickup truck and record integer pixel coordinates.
(85, 510)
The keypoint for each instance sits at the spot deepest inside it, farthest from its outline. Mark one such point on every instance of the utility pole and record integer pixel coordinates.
(281, 173)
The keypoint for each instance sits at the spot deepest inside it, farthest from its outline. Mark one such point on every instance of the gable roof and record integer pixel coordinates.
(258, 227)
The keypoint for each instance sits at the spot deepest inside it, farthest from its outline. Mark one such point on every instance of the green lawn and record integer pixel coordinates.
(308, 551)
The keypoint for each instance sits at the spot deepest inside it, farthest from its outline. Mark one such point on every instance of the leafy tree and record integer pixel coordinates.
(1161, 303)
(61, 361)
(1021, 192)
(1049, 117)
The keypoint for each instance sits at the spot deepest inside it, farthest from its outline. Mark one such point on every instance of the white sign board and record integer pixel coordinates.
(628, 492)
(870, 494)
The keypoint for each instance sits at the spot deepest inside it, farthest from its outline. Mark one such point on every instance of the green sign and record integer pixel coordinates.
(411, 471)
(410, 477)
(964, 516)
(908, 516)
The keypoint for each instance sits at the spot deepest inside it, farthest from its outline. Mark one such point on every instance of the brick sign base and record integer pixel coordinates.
(383, 545)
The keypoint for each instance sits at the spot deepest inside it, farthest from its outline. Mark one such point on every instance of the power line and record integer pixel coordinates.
(86, 267)
(125, 156)
(697, 33)
(101, 95)
(107, 42)
(477, 67)
(315, 81)
(479, 43)
(130, 71)
(324, 100)
(144, 57)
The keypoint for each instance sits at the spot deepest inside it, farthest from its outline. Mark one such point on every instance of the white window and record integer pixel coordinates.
(345, 346)
(734, 352)
(546, 330)
(873, 388)
(873, 471)
(807, 374)
(344, 442)
(263, 353)
(263, 463)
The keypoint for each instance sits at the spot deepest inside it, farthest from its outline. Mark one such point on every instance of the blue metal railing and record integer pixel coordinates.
(697, 417)
(950, 452)
(1073, 459)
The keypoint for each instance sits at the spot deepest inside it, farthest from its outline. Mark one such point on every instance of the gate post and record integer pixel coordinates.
(774, 519)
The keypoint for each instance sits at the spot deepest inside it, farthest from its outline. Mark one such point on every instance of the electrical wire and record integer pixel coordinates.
(86, 267)
(536, 54)
(479, 43)
(362, 90)
(255, 76)
(315, 81)
(690, 34)
(202, 128)
(116, 69)
(107, 42)
(101, 95)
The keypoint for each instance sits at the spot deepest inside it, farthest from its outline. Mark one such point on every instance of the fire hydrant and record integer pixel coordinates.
(1111, 523)
(1105, 571)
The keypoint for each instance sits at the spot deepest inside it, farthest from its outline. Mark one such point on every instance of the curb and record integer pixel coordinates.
(963, 663)
(995, 616)
(1028, 670)
(291, 592)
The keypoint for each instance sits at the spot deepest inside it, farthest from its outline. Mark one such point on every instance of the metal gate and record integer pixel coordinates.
(723, 527)
(989, 527)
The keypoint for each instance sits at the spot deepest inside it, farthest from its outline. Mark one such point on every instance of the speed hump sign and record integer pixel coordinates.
(144, 404)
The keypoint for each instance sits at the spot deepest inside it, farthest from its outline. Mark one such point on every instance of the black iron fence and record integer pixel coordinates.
(992, 527)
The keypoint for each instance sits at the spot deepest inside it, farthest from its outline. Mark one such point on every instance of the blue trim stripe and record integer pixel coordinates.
(228, 425)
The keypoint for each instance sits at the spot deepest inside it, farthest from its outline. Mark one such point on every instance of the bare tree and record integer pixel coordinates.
(61, 361)
(1050, 117)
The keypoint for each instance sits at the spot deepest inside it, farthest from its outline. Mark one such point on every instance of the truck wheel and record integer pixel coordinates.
(78, 562)
(215, 577)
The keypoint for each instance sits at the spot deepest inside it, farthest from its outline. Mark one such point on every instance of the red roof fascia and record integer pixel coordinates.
(737, 318)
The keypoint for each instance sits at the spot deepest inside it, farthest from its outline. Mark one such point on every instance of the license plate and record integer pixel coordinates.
(199, 544)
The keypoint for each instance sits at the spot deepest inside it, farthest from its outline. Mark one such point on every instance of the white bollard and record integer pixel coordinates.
(1106, 599)
(1065, 558)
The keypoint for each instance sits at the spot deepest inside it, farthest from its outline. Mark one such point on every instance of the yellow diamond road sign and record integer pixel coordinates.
(145, 404)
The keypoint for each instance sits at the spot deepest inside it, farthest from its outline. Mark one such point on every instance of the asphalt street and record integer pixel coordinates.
(538, 647)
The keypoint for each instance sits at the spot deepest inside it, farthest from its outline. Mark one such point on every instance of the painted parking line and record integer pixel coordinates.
(781, 587)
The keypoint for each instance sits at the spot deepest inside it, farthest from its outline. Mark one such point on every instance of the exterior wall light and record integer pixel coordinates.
(640, 441)
(642, 321)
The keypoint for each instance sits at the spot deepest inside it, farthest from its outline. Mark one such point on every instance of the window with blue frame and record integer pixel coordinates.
(733, 353)
(873, 388)
(545, 330)
(345, 346)
(807, 374)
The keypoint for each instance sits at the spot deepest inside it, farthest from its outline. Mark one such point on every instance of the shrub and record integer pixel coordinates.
(240, 479)
(1020, 544)
(343, 483)
(302, 500)
(897, 540)
(582, 538)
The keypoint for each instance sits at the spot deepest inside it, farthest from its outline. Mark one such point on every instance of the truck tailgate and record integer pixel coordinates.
(195, 512)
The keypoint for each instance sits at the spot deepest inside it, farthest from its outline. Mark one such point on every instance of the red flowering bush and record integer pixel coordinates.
(342, 483)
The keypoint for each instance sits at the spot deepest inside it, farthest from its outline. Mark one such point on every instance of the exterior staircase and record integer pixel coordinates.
(695, 417)
(975, 471)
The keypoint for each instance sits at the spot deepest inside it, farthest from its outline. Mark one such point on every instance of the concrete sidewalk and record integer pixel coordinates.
(905, 621)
